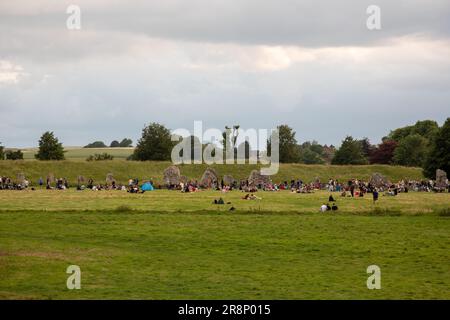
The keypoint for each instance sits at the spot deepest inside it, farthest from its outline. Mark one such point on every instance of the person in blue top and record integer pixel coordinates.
(375, 195)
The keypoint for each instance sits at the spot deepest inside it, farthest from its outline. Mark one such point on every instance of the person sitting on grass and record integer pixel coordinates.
(133, 189)
(334, 207)
(390, 192)
(249, 196)
(220, 201)
(193, 188)
(331, 199)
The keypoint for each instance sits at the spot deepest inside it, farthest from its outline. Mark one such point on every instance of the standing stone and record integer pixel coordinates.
(184, 179)
(441, 179)
(109, 178)
(256, 178)
(20, 178)
(172, 176)
(80, 180)
(228, 180)
(51, 178)
(379, 181)
(209, 178)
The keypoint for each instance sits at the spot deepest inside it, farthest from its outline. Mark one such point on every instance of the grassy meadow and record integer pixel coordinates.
(222, 256)
(172, 245)
(173, 201)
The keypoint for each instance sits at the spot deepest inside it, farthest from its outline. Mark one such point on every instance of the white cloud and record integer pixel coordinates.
(11, 73)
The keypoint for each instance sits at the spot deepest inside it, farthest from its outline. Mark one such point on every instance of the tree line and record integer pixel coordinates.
(125, 143)
(423, 144)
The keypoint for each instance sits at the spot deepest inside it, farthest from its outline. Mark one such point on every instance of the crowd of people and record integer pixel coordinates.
(7, 183)
(350, 188)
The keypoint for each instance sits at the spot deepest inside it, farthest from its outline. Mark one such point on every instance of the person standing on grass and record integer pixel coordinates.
(375, 195)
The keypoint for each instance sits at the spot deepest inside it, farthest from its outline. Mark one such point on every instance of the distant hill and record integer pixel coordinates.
(80, 153)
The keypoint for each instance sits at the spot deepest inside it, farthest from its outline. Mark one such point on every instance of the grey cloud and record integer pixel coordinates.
(272, 22)
(175, 62)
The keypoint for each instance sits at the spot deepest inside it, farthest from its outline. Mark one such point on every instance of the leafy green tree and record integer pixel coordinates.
(155, 143)
(49, 148)
(96, 144)
(367, 147)
(288, 148)
(14, 155)
(100, 157)
(308, 156)
(411, 151)
(311, 153)
(125, 143)
(400, 133)
(439, 156)
(316, 147)
(426, 128)
(350, 152)
(114, 144)
(2, 152)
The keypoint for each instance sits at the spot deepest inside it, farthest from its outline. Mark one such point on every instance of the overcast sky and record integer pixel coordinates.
(311, 64)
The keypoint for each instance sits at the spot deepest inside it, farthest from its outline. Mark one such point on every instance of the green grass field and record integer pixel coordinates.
(412, 203)
(170, 245)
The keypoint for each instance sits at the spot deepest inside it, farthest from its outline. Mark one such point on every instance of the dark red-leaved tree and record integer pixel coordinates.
(384, 152)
